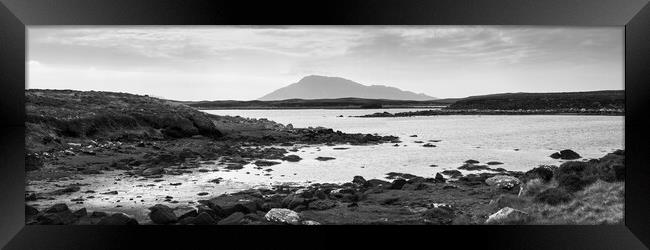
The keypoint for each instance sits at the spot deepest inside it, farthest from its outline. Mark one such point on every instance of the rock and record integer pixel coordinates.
(413, 136)
(82, 212)
(67, 190)
(282, 215)
(205, 209)
(110, 192)
(493, 163)
(225, 205)
(321, 204)
(233, 219)
(161, 214)
(98, 214)
(377, 183)
(203, 193)
(359, 180)
(30, 211)
(234, 166)
(428, 145)
(264, 163)
(503, 181)
(439, 178)
(566, 154)
(397, 184)
(292, 201)
(452, 173)
(291, 158)
(64, 217)
(153, 171)
(472, 167)
(324, 158)
(471, 161)
(184, 212)
(507, 215)
(57, 208)
(118, 219)
(203, 219)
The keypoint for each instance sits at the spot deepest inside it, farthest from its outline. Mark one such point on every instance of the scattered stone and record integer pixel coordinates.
(472, 167)
(324, 158)
(67, 190)
(264, 163)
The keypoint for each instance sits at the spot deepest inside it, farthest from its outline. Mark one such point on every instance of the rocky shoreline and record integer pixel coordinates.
(444, 111)
(73, 134)
(492, 197)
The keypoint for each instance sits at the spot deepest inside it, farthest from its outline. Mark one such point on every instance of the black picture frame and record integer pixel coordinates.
(16, 15)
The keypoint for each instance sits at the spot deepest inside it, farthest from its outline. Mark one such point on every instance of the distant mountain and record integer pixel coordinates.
(323, 87)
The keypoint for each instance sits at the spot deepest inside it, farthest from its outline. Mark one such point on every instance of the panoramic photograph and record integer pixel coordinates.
(324, 125)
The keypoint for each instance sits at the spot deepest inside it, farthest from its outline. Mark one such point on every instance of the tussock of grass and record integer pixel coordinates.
(599, 203)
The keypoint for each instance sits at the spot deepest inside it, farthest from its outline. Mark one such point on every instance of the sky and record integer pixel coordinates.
(194, 63)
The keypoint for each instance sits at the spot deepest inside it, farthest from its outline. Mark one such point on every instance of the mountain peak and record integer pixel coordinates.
(329, 87)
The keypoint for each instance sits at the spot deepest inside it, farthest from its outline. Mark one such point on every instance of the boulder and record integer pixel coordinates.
(282, 215)
(507, 215)
(503, 181)
(397, 184)
(439, 178)
(452, 173)
(291, 158)
(233, 219)
(57, 208)
(203, 219)
(566, 154)
(161, 214)
(227, 205)
(118, 219)
(265, 163)
(359, 180)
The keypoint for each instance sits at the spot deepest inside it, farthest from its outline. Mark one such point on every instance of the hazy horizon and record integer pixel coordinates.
(248, 62)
